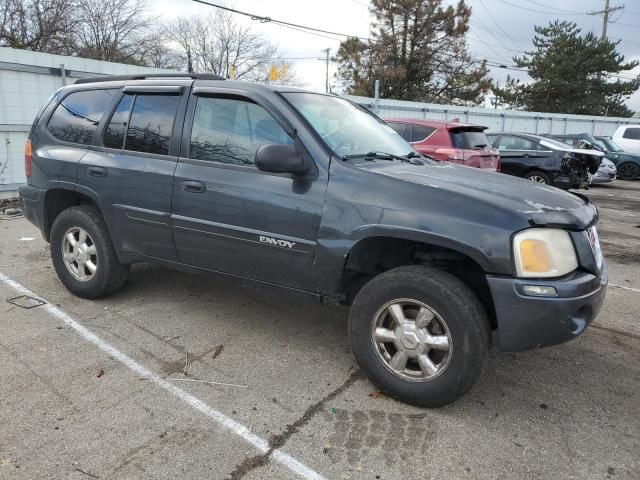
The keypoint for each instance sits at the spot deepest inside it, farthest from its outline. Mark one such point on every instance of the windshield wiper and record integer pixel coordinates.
(375, 155)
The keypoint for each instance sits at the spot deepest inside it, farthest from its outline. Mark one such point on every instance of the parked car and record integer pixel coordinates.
(544, 160)
(628, 137)
(628, 164)
(313, 194)
(607, 171)
(448, 141)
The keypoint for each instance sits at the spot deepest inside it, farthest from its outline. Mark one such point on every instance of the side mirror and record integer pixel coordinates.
(280, 158)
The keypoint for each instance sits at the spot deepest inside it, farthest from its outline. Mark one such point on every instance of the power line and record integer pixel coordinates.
(555, 9)
(605, 17)
(546, 12)
(498, 25)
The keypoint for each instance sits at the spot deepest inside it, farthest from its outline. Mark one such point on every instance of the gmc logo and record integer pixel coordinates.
(276, 242)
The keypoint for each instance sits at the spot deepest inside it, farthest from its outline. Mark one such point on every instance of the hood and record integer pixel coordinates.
(539, 204)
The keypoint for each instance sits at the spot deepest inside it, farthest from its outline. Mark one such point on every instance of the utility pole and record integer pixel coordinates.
(605, 13)
(326, 78)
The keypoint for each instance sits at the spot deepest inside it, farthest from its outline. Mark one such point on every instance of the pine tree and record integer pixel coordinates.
(572, 73)
(418, 51)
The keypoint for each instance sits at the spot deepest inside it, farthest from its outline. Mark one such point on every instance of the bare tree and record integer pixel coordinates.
(218, 44)
(157, 51)
(39, 25)
(113, 30)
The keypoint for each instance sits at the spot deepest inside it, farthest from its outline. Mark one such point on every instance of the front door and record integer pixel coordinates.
(230, 217)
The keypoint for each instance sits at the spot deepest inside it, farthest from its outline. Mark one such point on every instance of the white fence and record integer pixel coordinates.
(27, 79)
(497, 120)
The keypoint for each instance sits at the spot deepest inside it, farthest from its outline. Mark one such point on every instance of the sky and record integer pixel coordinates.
(499, 30)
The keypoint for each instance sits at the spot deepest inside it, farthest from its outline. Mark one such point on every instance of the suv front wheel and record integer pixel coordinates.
(83, 255)
(420, 335)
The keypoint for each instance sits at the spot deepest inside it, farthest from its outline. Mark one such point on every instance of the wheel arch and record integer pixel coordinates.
(376, 253)
(59, 199)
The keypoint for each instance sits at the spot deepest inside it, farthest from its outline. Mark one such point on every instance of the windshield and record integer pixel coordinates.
(469, 139)
(346, 128)
(610, 145)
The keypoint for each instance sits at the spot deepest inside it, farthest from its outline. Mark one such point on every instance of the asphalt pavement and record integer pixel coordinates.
(191, 377)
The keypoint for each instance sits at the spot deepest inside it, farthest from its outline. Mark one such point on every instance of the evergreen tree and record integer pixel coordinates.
(418, 51)
(572, 73)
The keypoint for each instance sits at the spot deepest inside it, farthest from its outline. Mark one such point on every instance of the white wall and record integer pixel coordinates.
(22, 93)
(498, 120)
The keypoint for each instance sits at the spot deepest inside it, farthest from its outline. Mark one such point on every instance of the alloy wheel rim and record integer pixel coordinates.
(79, 254)
(412, 340)
(537, 179)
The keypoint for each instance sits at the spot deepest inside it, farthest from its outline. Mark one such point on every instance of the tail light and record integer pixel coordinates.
(453, 154)
(27, 158)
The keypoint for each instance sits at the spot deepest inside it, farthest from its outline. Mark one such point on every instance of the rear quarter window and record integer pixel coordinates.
(77, 116)
(421, 132)
(632, 133)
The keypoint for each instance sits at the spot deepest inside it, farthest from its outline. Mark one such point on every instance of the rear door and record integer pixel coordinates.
(519, 155)
(131, 168)
(230, 217)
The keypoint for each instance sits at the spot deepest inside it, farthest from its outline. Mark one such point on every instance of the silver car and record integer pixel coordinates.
(606, 173)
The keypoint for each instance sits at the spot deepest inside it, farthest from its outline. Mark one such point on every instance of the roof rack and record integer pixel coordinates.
(117, 78)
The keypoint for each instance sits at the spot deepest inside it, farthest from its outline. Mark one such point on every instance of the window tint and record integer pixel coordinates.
(632, 133)
(492, 139)
(230, 130)
(420, 132)
(403, 129)
(76, 118)
(468, 139)
(508, 142)
(152, 123)
(114, 133)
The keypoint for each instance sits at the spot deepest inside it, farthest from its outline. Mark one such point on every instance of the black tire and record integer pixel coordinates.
(628, 171)
(541, 175)
(110, 275)
(454, 302)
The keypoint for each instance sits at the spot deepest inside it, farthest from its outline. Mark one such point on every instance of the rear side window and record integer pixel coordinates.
(420, 132)
(76, 118)
(230, 130)
(151, 123)
(402, 129)
(468, 139)
(508, 142)
(115, 131)
(632, 133)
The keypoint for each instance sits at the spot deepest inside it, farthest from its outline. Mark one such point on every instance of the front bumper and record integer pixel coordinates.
(32, 205)
(604, 176)
(526, 322)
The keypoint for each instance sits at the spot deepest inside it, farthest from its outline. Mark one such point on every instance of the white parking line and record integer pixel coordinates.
(258, 442)
(625, 288)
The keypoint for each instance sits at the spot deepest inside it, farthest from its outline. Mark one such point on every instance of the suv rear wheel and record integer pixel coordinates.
(420, 335)
(83, 255)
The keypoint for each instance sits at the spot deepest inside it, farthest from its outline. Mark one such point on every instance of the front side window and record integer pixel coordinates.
(151, 123)
(76, 118)
(230, 130)
(345, 128)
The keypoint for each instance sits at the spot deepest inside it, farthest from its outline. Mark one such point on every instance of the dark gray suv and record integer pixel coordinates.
(312, 193)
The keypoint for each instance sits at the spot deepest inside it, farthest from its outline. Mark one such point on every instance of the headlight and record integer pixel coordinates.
(543, 253)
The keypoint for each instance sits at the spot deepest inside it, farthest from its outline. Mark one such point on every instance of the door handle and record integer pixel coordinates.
(193, 186)
(97, 171)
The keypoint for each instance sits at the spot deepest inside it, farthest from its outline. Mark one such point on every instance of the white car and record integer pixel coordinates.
(628, 137)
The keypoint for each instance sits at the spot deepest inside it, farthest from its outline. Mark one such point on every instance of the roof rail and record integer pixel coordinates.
(117, 78)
